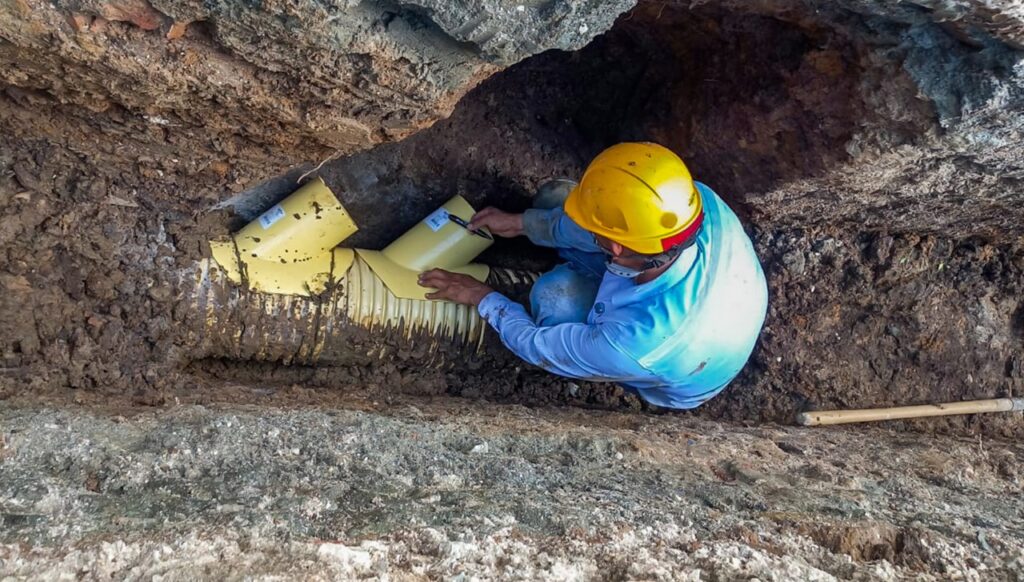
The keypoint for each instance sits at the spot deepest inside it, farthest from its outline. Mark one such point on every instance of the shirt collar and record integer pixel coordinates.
(676, 272)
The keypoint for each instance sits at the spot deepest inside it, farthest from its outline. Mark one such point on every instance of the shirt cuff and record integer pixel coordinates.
(492, 305)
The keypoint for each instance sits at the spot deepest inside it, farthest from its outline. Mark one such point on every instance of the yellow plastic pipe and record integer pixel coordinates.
(295, 328)
(436, 242)
(827, 417)
(309, 223)
(289, 255)
(291, 248)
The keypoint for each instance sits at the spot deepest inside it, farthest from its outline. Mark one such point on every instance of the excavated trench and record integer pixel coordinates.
(861, 146)
(157, 420)
(860, 316)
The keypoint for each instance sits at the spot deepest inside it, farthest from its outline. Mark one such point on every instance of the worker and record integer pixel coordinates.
(661, 291)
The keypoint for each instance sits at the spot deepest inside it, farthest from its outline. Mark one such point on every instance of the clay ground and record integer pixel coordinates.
(439, 488)
(236, 470)
(124, 453)
(100, 222)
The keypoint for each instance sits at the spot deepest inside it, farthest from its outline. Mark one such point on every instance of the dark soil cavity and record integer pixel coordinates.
(101, 221)
(749, 101)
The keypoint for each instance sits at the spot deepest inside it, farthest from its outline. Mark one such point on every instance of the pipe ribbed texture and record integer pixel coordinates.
(356, 321)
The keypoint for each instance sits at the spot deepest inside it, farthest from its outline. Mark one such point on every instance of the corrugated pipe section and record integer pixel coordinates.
(356, 321)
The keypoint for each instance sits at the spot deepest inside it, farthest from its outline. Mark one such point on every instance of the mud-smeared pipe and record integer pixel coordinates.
(355, 321)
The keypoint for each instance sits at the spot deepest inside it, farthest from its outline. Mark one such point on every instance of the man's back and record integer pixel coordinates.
(678, 339)
(694, 327)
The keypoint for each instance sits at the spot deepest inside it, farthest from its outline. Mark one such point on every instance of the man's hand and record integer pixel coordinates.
(454, 287)
(501, 223)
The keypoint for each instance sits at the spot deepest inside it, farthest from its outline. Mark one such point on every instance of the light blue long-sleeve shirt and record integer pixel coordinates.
(678, 340)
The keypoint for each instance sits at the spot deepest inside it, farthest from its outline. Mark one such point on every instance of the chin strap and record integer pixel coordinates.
(651, 263)
(662, 259)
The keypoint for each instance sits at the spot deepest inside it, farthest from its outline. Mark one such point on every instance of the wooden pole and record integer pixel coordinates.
(825, 417)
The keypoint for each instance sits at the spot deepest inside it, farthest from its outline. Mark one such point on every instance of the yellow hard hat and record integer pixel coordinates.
(639, 195)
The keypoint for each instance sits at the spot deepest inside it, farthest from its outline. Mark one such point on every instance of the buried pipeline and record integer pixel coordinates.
(355, 321)
(281, 290)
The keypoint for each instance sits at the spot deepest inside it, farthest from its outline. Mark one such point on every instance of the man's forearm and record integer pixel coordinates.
(553, 228)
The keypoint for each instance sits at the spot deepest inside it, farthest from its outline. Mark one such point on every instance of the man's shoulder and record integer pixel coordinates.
(721, 222)
(713, 203)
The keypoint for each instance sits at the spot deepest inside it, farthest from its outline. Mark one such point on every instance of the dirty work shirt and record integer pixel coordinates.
(677, 340)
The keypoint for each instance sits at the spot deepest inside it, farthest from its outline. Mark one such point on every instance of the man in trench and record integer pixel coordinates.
(661, 291)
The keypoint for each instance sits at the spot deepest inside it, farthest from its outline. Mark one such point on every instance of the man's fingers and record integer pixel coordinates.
(433, 282)
(434, 274)
(436, 278)
(480, 219)
(435, 295)
(485, 212)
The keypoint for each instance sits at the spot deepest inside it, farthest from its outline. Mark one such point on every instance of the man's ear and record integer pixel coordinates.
(616, 249)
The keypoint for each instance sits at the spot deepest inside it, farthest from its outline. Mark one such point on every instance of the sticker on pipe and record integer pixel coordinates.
(437, 219)
(268, 218)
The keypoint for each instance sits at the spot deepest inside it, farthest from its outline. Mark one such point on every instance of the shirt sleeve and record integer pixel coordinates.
(575, 350)
(554, 228)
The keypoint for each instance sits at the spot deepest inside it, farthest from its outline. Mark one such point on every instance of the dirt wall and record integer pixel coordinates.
(307, 79)
(870, 148)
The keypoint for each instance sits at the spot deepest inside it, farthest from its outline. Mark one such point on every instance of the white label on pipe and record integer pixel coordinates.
(271, 216)
(437, 219)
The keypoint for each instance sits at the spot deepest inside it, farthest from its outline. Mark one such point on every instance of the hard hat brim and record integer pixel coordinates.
(643, 246)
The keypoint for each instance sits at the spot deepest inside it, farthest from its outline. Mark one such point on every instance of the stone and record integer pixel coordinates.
(160, 293)
(79, 21)
(138, 12)
(177, 30)
(324, 78)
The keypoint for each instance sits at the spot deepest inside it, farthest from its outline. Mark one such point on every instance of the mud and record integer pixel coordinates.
(873, 148)
(436, 489)
(895, 319)
(106, 216)
(306, 79)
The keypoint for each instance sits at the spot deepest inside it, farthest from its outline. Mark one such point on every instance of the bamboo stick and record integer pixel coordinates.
(826, 417)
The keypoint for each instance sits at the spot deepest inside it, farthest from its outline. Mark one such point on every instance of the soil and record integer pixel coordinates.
(435, 489)
(102, 230)
(872, 149)
(857, 319)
